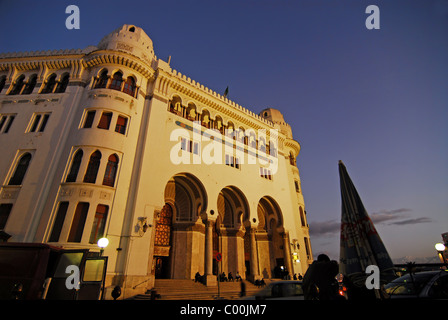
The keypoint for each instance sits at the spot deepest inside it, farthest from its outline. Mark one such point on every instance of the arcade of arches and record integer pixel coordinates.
(187, 239)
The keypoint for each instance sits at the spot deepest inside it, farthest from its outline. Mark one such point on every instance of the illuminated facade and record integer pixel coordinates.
(111, 141)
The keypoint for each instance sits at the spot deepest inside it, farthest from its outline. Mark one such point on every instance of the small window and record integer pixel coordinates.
(129, 86)
(44, 122)
(9, 123)
(296, 184)
(18, 85)
(117, 80)
(79, 220)
(58, 222)
(92, 168)
(99, 223)
(302, 217)
(2, 83)
(132, 29)
(102, 80)
(50, 84)
(35, 123)
(120, 127)
(90, 116)
(30, 84)
(73, 174)
(104, 123)
(19, 173)
(63, 83)
(5, 210)
(111, 171)
(39, 122)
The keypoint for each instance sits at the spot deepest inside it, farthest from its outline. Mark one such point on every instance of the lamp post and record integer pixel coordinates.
(102, 243)
(440, 247)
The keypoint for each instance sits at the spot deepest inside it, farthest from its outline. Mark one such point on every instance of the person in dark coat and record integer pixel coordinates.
(319, 282)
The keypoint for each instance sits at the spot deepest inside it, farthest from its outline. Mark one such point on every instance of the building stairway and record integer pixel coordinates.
(177, 289)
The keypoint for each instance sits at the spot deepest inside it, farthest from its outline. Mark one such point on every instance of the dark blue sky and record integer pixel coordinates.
(376, 99)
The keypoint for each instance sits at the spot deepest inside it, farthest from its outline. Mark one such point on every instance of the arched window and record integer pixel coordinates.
(73, 174)
(30, 84)
(205, 119)
(2, 83)
(111, 171)
(129, 86)
(19, 173)
(50, 84)
(92, 168)
(102, 80)
(63, 83)
(99, 223)
(117, 80)
(18, 85)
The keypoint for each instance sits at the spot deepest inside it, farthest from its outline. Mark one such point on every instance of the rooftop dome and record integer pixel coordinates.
(276, 117)
(130, 39)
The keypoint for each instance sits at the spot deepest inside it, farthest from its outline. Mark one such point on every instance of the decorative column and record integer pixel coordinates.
(254, 275)
(287, 253)
(210, 279)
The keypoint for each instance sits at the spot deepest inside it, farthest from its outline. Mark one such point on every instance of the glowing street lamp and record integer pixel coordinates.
(102, 243)
(440, 247)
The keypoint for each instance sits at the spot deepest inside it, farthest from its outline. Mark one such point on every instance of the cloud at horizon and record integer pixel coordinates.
(388, 217)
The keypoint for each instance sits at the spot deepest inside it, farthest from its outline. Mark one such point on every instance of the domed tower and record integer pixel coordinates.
(276, 117)
(291, 151)
(129, 39)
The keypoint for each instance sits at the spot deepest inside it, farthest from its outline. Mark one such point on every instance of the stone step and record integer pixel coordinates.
(172, 289)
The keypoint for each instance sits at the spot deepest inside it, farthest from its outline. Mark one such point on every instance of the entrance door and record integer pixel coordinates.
(162, 267)
(162, 243)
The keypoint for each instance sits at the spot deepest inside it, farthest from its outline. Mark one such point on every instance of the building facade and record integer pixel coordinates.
(110, 141)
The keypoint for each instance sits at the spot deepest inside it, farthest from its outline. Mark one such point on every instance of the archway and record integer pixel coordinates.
(181, 258)
(273, 255)
(229, 231)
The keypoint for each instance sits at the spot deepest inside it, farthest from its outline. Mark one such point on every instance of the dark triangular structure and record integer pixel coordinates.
(360, 244)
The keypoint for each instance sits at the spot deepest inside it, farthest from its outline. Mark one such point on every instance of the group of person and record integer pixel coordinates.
(222, 277)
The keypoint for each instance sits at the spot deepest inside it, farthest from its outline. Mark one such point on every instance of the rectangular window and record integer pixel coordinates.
(296, 183)
(265, 173)
(78, 222)
(35, 123)
(307, 248)
(2, 121)
(232, 161)
(120, 127)
(89, 119)
(106, 117)
(99, 223)
(43, 124)
(190, 146)
(39, 122)
(5, 210)
(9, 120)
(59, 222)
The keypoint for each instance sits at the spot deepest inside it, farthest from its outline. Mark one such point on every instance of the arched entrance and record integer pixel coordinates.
(233, 209)
(272, 242)
(185, 201)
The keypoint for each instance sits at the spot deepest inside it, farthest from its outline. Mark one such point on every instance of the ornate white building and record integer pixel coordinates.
(110, 141)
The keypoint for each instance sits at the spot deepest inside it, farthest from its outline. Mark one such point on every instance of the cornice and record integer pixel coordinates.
(182, 84)
(293, 144)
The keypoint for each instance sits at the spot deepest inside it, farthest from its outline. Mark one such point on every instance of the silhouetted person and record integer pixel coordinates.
(319, 282)
(243, 289)
(238, 277)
